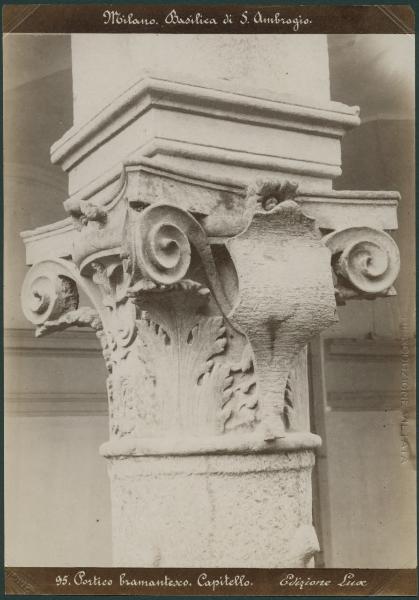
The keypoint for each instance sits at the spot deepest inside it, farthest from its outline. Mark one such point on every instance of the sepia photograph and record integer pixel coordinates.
(209, 300)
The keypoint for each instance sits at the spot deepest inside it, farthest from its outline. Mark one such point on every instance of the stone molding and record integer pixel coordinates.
(369, 359)
(176, 149)
(332, 209)
(380, 400)
(218, 445)
(201, 97)
(206, 342)
(55, 404)
(167, 118)
(206, 281)
(40, 241)
(81, 343)
(26, 397)
(361, 349)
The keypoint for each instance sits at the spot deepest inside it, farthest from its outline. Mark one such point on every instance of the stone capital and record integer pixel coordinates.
(204, 291)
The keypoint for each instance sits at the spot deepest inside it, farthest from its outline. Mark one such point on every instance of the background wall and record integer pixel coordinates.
(57, 504)
(366, 483)
(57, 491)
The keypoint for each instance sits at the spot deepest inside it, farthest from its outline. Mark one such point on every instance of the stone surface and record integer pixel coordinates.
(280, 255)
(199, 104)
(366, 262)
(253, 511)
(203, 339)
(104, 66)
(205, 124)
(219, 201)
(206, 284)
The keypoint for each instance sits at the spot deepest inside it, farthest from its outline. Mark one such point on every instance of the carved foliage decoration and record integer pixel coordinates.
(170, 363)
(88, 212)
(79, 317)
(50, 300)
(266, 194)
(119, 312)
(241, 401)
(188, 382)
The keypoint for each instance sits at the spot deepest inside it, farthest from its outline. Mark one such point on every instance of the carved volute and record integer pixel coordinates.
(204, 294)
(187, 356)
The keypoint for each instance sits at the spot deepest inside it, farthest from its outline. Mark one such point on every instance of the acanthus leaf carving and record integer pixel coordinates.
(170, 364)
(112, 280)
(241, 401)
(179, 346)
(80, 317)
(183, 380)
(50, 300)
(159, 252)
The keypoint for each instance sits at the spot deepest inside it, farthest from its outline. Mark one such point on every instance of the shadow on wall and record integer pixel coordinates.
(46, 482)
(377, 73)
(361, 476)
(39, 108)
